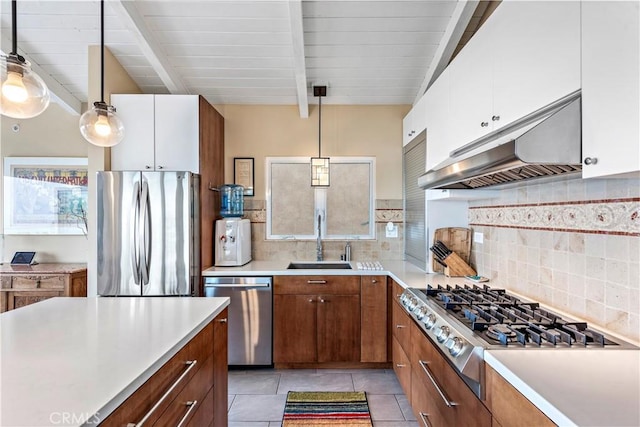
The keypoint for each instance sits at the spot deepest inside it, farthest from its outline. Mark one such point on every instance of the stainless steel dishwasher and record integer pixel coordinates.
(250, 317)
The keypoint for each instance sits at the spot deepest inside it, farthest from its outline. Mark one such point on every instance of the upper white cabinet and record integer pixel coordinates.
(161, 133)
(610, 88)
(438, 117)
(414, 122)
(537, 56)
(525, 56)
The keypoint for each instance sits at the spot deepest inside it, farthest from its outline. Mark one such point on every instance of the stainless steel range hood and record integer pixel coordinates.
(548, 144)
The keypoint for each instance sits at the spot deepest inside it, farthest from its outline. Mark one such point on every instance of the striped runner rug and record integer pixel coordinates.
(326, 408)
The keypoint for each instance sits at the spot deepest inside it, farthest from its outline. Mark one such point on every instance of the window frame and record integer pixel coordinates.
(320, 200)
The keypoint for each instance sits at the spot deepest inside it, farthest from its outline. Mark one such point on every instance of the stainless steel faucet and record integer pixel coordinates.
(319, 242)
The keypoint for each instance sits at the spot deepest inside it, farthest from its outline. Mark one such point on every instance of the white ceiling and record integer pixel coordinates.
(246, 51)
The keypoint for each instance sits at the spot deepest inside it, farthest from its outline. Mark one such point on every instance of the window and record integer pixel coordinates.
(346, 208)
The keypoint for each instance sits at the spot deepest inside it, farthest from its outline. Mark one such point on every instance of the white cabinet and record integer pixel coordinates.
(161, 133)
(414, 122)
(610, 88)
(525, 56)
(438, 117)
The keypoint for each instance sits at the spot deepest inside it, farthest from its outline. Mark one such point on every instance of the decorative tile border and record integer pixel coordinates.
(612, 216)
(386, 215)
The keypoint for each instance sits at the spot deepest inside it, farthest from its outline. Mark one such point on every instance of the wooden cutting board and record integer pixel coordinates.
(458, 239)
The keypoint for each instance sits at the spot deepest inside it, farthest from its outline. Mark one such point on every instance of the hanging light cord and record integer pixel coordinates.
(320, 126)
(102, 51)
(14, 30)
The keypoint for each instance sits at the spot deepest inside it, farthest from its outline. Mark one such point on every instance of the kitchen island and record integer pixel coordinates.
(74, 361)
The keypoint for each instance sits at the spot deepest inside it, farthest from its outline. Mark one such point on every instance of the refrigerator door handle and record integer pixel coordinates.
(133, 233)
(145, 238)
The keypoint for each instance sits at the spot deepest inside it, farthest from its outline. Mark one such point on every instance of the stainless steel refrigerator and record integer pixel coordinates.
(148, 233)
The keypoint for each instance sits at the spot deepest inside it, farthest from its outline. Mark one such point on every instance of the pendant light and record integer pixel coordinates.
(100, 125)
(24, 93)
(320, 165)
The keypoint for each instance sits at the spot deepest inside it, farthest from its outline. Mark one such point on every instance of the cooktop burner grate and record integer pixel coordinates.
(503, 319)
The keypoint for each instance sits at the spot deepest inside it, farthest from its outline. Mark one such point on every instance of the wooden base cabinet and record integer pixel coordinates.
(316, 319)
(190, 389)
(454, 404)
(373, 335)
(508, 406)
(401, 344)
(43, 281)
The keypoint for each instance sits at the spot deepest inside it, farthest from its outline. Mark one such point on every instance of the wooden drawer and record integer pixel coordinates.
(402, 367)
(25, 282)
(401, 326)
(203, 416)
(190, 399)
(142, 400)
(396, 290)
(326, 285)
(443, 384)
(423, 403)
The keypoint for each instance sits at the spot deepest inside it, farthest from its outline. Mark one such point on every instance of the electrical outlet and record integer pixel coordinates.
(391, 230)
(478, 237)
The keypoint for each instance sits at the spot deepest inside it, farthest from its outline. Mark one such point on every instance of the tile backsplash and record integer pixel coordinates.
(572, 244)
(382, 248)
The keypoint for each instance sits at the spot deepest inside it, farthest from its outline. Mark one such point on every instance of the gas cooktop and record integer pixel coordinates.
(463, 321)
(505, 320)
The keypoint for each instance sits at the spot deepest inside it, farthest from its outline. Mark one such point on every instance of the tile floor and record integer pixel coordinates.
(257, 397)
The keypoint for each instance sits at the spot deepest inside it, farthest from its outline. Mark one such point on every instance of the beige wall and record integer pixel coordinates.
(54, 133)
(261, 131)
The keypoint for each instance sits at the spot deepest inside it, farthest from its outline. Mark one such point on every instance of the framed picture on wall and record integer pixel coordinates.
(45, 195)
(243, 173)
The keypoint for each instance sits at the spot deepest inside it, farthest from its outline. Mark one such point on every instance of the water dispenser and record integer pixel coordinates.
(232, 200)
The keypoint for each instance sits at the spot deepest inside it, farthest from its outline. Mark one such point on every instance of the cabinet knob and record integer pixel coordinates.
(400, 365)
(321, 300)
(590, 160)
(484, 124)
(147, 167)
(37, 283)
(495, 118)
(224, 320)
(160, 167)
(400, 326)
(311, 300)
(374, 281)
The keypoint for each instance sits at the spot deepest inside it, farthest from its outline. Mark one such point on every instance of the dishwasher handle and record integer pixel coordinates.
(237, 285)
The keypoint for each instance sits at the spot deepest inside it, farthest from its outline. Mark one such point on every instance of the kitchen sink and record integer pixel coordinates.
(319, 266)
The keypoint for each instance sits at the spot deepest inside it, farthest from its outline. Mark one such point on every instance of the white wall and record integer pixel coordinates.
(54, 133)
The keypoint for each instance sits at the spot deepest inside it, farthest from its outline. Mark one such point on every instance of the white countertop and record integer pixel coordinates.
(406, 274)
(572, 387)
(576, 387)
(81, 357)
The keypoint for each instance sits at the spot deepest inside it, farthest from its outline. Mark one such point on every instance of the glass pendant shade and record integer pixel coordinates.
(24, 94)
(101, 126)
(319, 171)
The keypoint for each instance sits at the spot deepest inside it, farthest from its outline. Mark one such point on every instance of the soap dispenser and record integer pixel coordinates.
(347, 252)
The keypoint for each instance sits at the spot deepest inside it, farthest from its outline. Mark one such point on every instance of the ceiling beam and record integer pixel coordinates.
(299, 66)
(460, 18)
(127, 13)
(59, 94)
